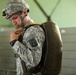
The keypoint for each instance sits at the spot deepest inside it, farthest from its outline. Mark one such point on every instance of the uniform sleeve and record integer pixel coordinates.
(30, 50)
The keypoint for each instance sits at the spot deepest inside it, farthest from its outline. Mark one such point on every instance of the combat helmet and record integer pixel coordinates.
(15, 6)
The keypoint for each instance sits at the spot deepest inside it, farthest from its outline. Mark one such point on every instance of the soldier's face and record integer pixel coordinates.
(16, 20)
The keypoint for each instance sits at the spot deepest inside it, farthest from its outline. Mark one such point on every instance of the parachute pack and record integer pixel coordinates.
(53, 44)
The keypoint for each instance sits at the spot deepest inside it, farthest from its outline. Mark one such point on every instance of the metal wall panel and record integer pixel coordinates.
(7, 60)
(69, 51)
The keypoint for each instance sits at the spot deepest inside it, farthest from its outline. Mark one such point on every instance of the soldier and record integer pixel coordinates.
(37, 47)
(29, 49)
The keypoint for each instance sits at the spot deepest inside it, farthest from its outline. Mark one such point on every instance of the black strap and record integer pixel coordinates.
(25, 71)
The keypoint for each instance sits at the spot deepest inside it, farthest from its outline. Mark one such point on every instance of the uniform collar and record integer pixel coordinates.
(29, 22)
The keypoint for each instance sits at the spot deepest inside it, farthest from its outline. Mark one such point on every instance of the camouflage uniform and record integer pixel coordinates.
(30, 50)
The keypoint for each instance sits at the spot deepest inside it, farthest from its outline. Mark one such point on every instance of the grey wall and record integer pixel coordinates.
(7, 60)
(69, 51)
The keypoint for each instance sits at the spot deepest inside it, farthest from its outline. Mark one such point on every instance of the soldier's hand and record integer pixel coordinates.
(15, 35)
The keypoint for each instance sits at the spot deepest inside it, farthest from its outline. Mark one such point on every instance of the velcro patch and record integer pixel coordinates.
(33, 42)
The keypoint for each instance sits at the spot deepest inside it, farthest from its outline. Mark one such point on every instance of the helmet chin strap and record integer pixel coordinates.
(22, 20)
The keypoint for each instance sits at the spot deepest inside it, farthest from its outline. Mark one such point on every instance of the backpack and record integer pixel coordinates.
(50, 63)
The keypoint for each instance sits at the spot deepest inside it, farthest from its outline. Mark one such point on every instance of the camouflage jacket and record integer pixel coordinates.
(30, 51)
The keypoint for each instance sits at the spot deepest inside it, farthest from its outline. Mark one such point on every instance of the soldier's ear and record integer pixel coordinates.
(24, 13)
